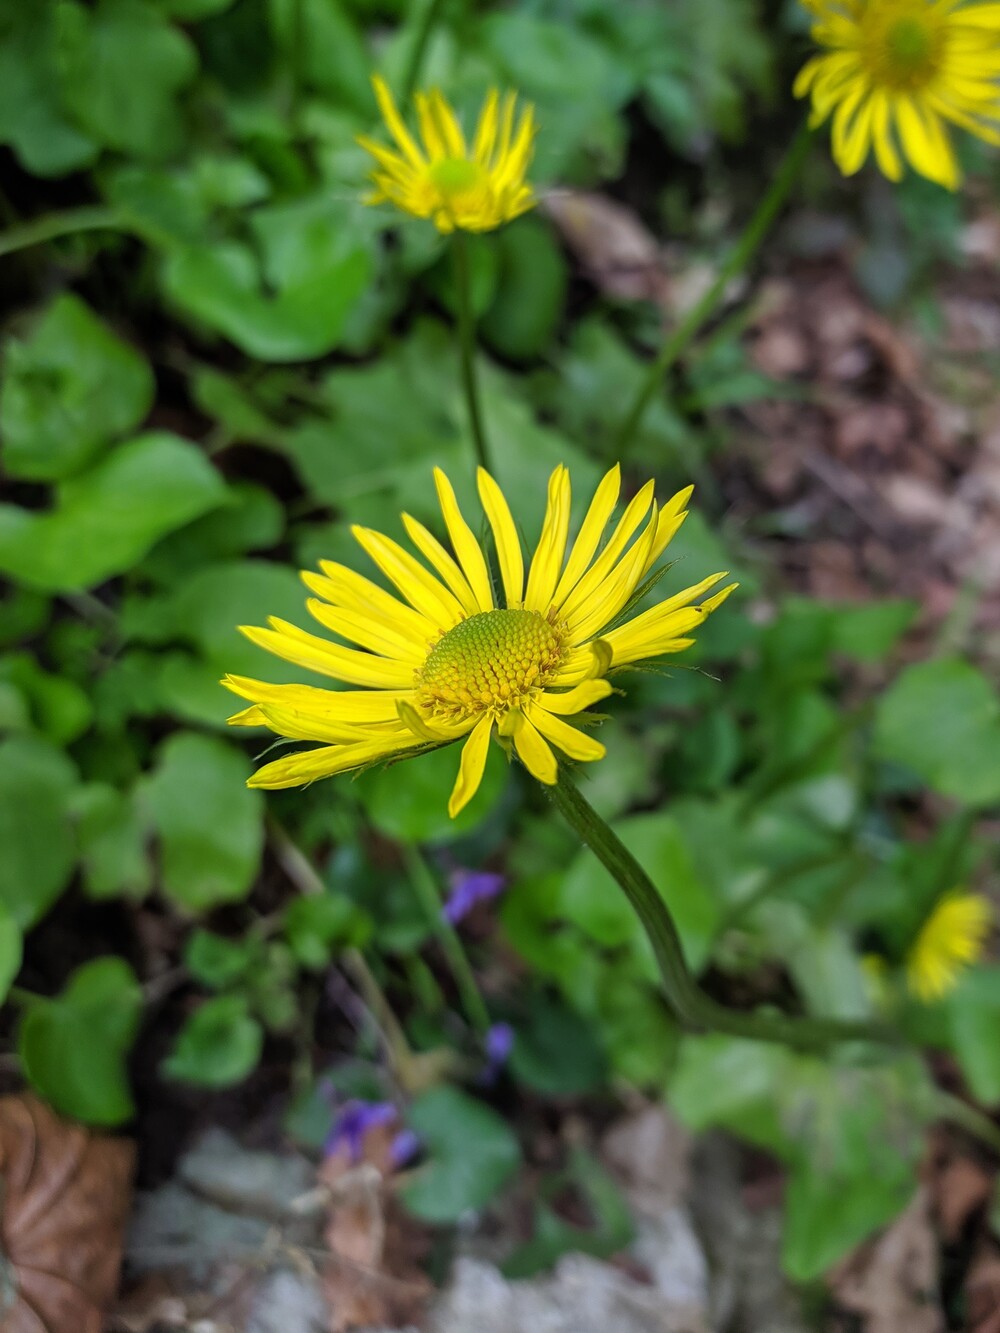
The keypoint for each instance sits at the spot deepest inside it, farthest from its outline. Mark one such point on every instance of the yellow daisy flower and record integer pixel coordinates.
(449, 660)
(896, 72)
(472, 188)
(950, 939)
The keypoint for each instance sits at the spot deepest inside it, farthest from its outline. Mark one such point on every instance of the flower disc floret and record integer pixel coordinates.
(453, 657)
(488, 663)
(895, 73)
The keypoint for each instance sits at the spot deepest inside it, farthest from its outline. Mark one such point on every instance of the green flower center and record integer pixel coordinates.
(903, 43)
(910, 44)
(455, 175)
(489, 662)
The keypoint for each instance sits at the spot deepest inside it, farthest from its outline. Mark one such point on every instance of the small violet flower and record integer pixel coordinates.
(353, 1123)
(499, 1043)
(469, 887)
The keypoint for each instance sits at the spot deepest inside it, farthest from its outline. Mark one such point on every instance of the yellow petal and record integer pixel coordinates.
(367, 632)
(635, 512)
(547, 560)
(533, 751)
(432, 551)
(471, 766)
(359, 706)
(570, 740)
(467, 549)
(345, 587)
(601, 508)
(505, 535)
(328, 659)
(394, 121)
(576, 699)
(295, 770)
(420, 588)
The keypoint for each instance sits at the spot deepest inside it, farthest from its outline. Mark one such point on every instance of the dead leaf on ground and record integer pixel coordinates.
(617, 252)
(373, 1276)
(961, 1187)
(66, 1194)
(893, 1281)
(982, 1291)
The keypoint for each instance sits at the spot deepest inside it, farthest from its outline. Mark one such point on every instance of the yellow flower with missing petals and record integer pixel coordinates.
(447, 660)
(457, 185)
(950, 939)
(894, 75)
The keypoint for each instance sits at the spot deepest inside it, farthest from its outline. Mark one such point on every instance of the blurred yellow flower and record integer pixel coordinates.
(950, 939)
(451, 661)
(472, 188)
(896, 72)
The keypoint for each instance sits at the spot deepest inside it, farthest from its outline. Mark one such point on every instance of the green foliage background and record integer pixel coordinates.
(220, 360)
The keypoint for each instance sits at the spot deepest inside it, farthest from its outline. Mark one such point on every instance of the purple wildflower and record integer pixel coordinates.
(404, 1147)
(353, 1123)
(469, 887)
(499, 1043)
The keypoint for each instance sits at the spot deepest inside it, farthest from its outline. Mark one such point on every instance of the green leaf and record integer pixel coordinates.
(11, 951)
(610, 1227)
(870, 630)
(122, 66)
(73, 1048)
(409, 800)
(555, 1051)
(32, 119)
(37, 846)
(851, 1134)
(105, 520)
(317, 927)
(974, 1015)
(217, 961)
(210, 826)
(592, 900)
(942, 720)
(334, 59)
(69, 388)
(472, 1154)
(60, 709)
(190, 11)
(113, 839)
(531, 291)
(219, 1045)
(294, 304)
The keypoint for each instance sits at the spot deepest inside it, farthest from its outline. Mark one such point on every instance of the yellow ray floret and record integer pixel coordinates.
(450, 659)
(895, 73)
(950, 940)
(469, 187)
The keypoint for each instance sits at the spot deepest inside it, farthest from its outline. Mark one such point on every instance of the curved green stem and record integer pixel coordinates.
(467, 345)
(690, 1005)
(54, 225)
(741, 254)
(431, 14)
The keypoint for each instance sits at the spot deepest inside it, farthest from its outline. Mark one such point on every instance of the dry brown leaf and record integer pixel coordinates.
(620, 256)
(961, 1187)
(650, 1150)
(982, 1290)
(893, 1280)
(373, 1276)
(66, 1194)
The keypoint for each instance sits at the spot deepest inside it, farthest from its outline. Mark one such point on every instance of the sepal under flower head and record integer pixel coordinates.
(458, 185)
